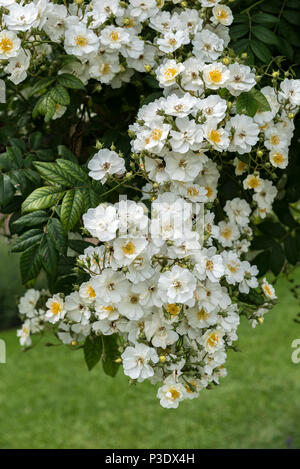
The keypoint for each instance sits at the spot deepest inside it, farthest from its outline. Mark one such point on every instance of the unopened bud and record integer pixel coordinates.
(259, 153)
(244, 55)
(226, 61)
(118, 360)
(162, 358)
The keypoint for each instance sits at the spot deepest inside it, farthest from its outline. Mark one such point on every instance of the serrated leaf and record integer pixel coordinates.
(16, 156)
(35, 140)
(239, 30)
(93, 348)
(30, 264)
(60, 95)
(261, 51)
(71, 208)
(32, 219)
(78, 245)
(55, 174)
(262, 102)
(49, 107)
(70, 81)
(262, 242)
(73, 169)
(111, 353)
(276, 259)
(273, 229)
(291, 249)
(265, 35)
(26, 240)
(66, 154)
(40, 85)
(262, 261)
(265, 18)
(6, 190)
(57, 235)
(246, 104)
(292, 16)
(43, 197)
(49, 256)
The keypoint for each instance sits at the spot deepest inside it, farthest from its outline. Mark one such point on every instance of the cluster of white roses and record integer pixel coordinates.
(107, 36)
(166, 281)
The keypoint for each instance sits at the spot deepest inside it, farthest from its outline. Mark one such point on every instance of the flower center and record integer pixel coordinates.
(91, 292)
(275, 140)
(213, 339)
(81, 41)
(170, 73)
(6, 45)
(55, 307)
(215, 76)
(222, 15)
(174, 394)
(115, 36)
(129, 249)
(156, 134)
(278, 158)
(173, 309)
(215, 136)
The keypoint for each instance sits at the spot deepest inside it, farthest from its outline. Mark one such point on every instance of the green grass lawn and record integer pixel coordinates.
(48, 399)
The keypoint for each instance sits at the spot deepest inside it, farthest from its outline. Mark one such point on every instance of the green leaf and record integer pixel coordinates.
(262, 261)
(261, 51)
(71, 208)
(30, 264)
(292, 16)
(239, 30)
(111, 353)
(49, 257)
(43, 197)
(79, 245)
(73, 169)
(276, 259)
(26, 240)
(40, 86)
(285, 48)
(291, 249)
(35, 140)
(246, 104)
(262, 242)
(265, 35)
(32, 219)
(265, 18)
(93, 348)
(262, 102)
(49, 107)
(66, 154)
(57, 235)
(275, 230)
(6, 190)
(16, 156)
(5, 161)
(70, 81)
(60, 95)
(55, 173)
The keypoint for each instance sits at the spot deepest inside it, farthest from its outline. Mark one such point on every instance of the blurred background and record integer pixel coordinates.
(48, 398)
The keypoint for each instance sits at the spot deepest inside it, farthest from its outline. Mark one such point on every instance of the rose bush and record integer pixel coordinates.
(146, 173)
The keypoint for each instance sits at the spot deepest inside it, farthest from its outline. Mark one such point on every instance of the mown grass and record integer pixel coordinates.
(48, 399)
